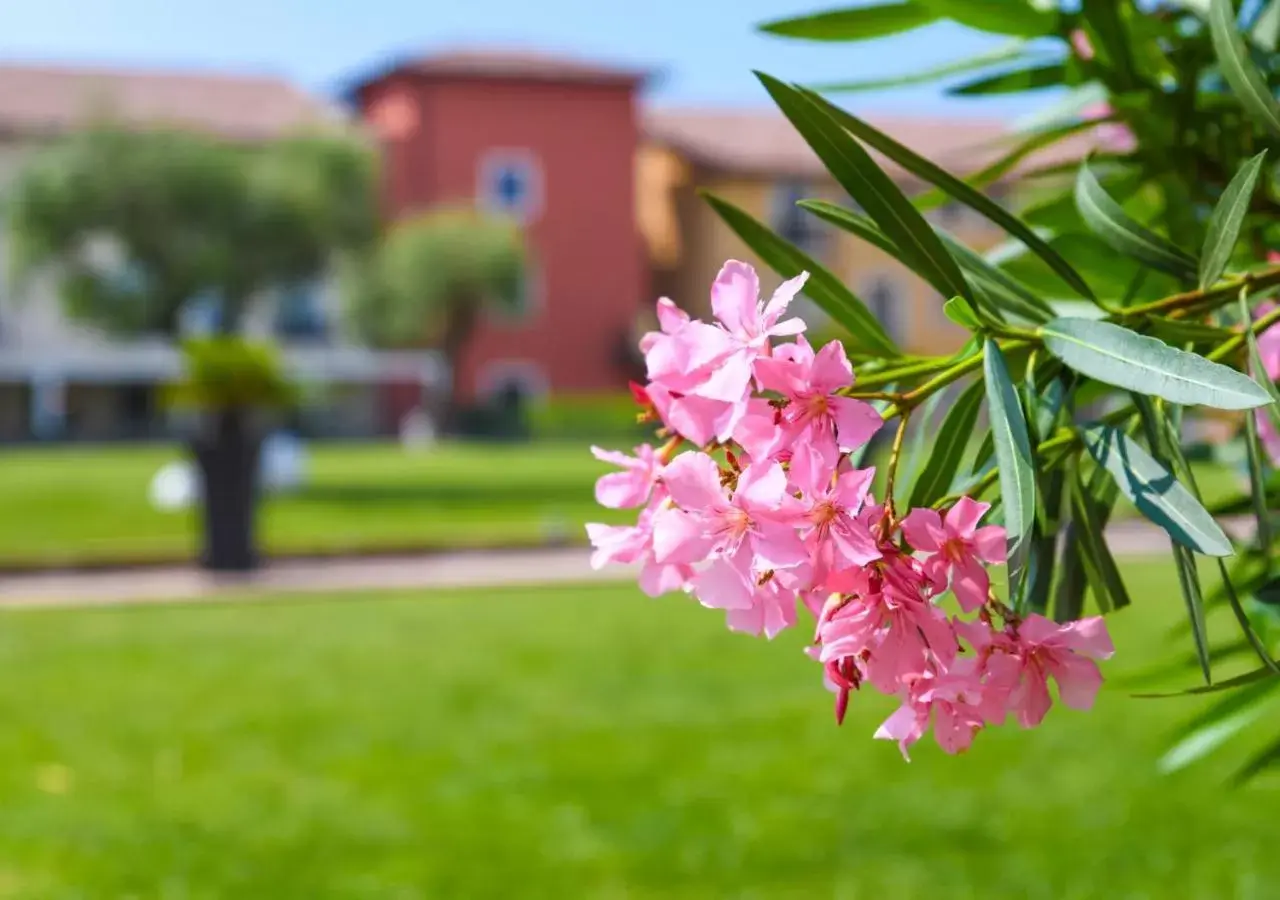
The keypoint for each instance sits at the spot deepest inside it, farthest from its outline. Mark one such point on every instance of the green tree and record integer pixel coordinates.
(1159, 231)
(134, 224)
(433, 278)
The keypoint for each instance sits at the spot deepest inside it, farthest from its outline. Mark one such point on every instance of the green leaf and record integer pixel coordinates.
(1120, 357)
(1005, 53)
(974, 199)
(1193, 598)
(1243, 619)
(1224, 224)
(1214, 727)
(855, 171)
(859, 23)
(1266, 28)
(1106, 219)
(1015, 81)
(1257, 484)
(1013, 17)
(993, 290)
(1155, 492)
(824, 288)
(1106, 30)
(1217, 687)
(986, 452)
(923, 428)
(1088, 536)
(1246, 82)
(949, 444)
(1184, 331)
(1013, 456)
(958, 310)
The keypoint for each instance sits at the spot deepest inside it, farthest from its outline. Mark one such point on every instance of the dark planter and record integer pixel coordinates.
(226, 454)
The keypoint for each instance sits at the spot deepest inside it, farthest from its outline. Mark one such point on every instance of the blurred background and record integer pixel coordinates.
(324, 305)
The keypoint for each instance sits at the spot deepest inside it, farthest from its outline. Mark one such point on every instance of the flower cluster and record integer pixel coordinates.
(768, 508)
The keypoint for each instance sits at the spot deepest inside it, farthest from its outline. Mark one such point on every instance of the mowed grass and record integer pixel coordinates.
(90, 504)
(565, 742)
(75, 505)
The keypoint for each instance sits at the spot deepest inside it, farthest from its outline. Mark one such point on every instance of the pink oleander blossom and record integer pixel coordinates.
(632, 486)
(959, 548)
(767, 518)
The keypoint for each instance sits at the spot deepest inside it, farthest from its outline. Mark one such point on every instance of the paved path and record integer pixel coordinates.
(478, 569)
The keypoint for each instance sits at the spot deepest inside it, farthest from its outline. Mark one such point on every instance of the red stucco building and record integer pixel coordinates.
(554, 144)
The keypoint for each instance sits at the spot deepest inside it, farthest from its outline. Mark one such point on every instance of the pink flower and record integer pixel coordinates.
(891, 628)
(1269, 351)
(814, 412)
(710, 522)
(1020, 664)
(632, 486)
(955, 699)
(959, 548)
(697, 419)
(772, 609)
(736, 302)
(1113, 136)
(633, 545)
(1082, 45)
(836, 536)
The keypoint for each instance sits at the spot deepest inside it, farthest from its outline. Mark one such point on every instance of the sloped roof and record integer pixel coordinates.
(764, 142)
(50, 100)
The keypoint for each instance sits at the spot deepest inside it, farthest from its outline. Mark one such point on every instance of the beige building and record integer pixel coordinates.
(758, 162)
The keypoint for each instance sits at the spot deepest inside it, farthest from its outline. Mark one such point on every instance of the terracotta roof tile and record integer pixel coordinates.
(53, 100)
(499, 63)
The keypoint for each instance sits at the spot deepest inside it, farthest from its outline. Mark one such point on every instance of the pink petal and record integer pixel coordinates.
(831, 369)
(735, 298)
(614, 457)
(757, 431)
(1078, 679)
(1088, 637)
(729, 380)
(852, 487)
(615, 544)
(923, 529)
(854, 546)
(856, 422)
(788, 327)
(970, 583)
(782, 375)
(781, 299)
(679, 537)
(623, 490)
(963, 518)
(953, 732)
(905, 726)
(656, 580)
(990, 543)
(722, 586)
(1030, 699)
(693, 480)
(778, 547)
(761, 487)
(671, 318)
(1036, 630)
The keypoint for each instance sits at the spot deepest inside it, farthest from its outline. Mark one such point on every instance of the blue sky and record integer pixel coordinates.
(706, 48)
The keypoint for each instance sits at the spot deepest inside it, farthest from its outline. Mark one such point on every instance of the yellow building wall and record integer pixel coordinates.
(704, 242)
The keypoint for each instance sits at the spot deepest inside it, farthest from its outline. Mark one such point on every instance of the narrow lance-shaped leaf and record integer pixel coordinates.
(1014, 81)
(1013, 17)
(855, 171)
(1238, 69)
(1118, 356)
(1213, 728)
(860, 23)
(1006, 53)
(992, 289)
(923, 429)
(1224, 224)
(824, 288)
(958, 310)
(974, 199)
(1106, 219)
(1013, 456)
(949, 445)
(1193, 597)
(1155, 492)
(1246, 626)
(1088, 537)
(1266, 28)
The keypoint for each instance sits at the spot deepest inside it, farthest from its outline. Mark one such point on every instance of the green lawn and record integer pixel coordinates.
(564, 742)
(89, 504)
(77, 504)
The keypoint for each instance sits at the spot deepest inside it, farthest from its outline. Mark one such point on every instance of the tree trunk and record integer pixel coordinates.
(227, 457)
(459, 326)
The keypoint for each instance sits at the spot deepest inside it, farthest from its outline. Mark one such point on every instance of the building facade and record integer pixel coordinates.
(605, 188)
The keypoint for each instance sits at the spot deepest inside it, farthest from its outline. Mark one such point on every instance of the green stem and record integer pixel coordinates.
(895, 457)
(1254, 281)
(954, 373)
(1231, 345)
(889, 376)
